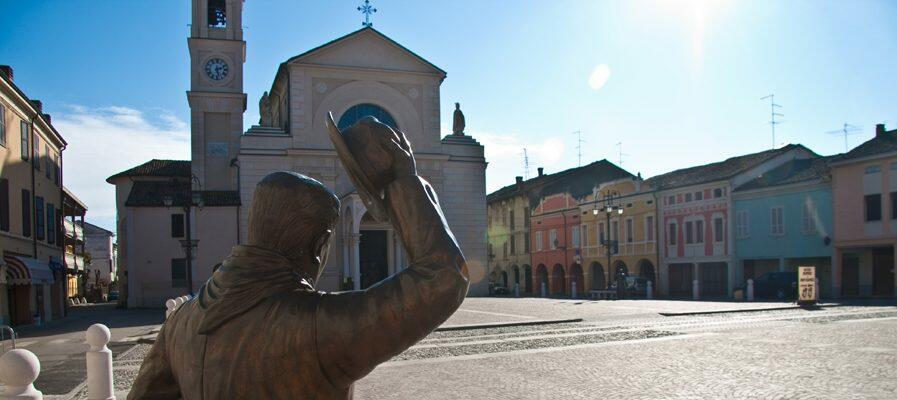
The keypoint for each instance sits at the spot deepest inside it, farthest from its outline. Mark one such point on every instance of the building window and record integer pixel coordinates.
(873, 207)
(585, 235)
(504, 219)
(511, 217)
(39, 217)
(539, 241)
(873, 169)
(671, 200)
(649, 228)
(742, 224)
(26, 135)
(718, 229)
(526, 243)
(51, 227)
(4, 205)
(777, 221)
(809, 217)
(2, 126)
(552, 239)
(717, 193)
(35, 158)
(178, 272)
(615, 230)
(689, 232)
(47, 161)
(894, 204)
(217, 13)
(601, 233)
(699, 196)
(672, 235)
(513, 244)
(56, 168)
(687, 197)
(699, 231)
(177, 225)
(504, 250)
(26, 213)
(575, 234)
(629, 230)
(360, 111)
(526, 217)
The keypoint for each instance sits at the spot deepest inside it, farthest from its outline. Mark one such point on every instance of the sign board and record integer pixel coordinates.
(806, 284)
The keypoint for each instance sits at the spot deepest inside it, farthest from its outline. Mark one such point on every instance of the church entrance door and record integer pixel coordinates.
(373, 256)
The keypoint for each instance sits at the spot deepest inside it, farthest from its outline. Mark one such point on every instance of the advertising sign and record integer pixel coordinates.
(806, 284)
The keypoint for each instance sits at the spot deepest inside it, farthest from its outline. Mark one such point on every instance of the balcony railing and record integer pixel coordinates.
(73, 231)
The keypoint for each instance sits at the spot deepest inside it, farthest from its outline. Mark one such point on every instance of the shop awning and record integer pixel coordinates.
(27, 271)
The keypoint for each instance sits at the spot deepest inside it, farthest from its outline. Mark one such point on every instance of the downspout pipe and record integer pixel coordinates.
(33, 221)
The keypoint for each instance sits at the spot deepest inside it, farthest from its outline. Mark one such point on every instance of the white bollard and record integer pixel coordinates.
(170, 306)
(544, 291)
(695, 294)
(649, 290)
(516, 290)
(750, 290)
(99, 364)
(573, 289)
(18, 370)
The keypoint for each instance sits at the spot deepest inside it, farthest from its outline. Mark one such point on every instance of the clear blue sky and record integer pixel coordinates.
(684, 87)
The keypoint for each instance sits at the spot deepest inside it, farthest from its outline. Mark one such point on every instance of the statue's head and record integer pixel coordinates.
(457, 106)
(295, 216)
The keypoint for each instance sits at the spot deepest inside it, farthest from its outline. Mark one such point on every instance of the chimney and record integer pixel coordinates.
(6, 70)
(519, 179)
(39, 105)
(47, 117)
(879, 130)
(541, 171)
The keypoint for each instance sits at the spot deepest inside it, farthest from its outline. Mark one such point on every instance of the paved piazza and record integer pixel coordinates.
(620, 349)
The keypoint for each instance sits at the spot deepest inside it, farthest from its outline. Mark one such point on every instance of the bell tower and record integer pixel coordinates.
(217, 101)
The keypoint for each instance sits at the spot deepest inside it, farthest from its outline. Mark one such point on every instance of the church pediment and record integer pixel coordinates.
(367, 48)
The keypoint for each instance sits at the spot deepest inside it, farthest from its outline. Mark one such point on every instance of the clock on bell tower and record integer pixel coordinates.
(217, 101)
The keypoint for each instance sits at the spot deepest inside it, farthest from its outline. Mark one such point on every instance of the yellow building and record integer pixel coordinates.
(635, 230)
(508, 253)
(32, 283)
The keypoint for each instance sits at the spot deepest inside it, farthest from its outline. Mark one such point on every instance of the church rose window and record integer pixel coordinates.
(363, 110)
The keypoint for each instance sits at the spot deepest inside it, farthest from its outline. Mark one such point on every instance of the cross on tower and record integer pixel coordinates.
(367, 9)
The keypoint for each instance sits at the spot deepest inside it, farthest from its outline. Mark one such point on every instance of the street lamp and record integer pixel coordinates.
(194, 199)
(609, 209)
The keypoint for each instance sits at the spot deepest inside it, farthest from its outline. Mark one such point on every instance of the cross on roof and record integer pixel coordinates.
(367, 9)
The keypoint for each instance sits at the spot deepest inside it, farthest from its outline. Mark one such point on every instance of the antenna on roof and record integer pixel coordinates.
(525, 164)
(579, 143)
(772, 116)
(846, 131)
(620, 153)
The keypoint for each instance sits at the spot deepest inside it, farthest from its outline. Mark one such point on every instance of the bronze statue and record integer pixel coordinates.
(258, 328)
(458, 121)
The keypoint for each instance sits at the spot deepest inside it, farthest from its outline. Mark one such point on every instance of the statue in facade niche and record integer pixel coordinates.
(258, 328)
(265, 110)
(458, 121)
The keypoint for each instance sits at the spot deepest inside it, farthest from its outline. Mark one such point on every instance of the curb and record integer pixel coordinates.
(506, 324)
(794, 307)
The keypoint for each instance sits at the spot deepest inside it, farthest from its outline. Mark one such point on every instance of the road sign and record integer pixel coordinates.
(806, 284)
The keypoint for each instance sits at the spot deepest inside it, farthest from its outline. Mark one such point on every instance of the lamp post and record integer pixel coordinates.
(609, 209)
(193, 200)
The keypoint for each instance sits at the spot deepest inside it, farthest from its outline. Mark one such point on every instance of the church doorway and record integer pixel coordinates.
(374, 258)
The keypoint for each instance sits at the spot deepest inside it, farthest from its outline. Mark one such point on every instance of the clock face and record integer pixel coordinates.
(216, 69)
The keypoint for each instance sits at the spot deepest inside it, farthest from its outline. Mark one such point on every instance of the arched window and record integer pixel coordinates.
(363, 110)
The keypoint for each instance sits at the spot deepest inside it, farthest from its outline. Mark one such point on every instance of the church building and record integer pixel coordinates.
(360, 74)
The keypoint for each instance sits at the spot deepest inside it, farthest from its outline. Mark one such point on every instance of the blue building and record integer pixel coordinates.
(783, 219)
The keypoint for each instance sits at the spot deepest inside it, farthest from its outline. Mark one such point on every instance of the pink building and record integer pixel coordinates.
(864, 186)
(695, 215)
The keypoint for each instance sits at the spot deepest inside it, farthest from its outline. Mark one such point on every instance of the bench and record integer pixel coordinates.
(603, 294)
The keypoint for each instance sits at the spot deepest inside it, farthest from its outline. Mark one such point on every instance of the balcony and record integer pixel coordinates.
(73, 231)
(74, 261)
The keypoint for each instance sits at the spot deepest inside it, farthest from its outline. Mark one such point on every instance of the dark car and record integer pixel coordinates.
(776, 285)
(635, 286)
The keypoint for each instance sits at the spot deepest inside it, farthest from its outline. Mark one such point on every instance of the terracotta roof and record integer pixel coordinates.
(718, 170)
(883, 142)
(152, 194)
(577, 181)
(794, 171)
(158, 168)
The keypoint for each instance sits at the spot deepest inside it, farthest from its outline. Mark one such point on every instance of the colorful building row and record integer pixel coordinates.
(719, 224)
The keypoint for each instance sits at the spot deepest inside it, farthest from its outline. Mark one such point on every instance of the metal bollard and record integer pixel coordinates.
(544, 291)
(695, 293)
(649, 290)
(99, 364)
(516, 290)
(18, 370)
(750, 290)
(573, 289)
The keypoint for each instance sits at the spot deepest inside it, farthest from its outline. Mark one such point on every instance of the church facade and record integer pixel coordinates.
(360, 74)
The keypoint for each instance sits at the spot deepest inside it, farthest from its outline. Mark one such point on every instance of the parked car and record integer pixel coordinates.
(775, 285)
(636, 286)
(113, 296)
